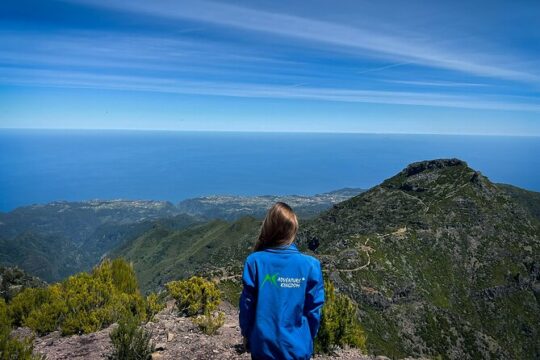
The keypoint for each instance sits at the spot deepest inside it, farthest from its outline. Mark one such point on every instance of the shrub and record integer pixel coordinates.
(153, 305)
(98, 299)
(339, 323)
(123, 277)
(209, 323)
(27, 301)
(47, 316)
(130, 341)
(83, 303)
(195, 295)
(11, 348)
(5, 320)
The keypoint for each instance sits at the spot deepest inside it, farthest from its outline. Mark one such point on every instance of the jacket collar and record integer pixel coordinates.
(287, 248)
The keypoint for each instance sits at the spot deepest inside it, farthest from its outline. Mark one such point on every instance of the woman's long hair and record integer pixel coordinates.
(278, 228)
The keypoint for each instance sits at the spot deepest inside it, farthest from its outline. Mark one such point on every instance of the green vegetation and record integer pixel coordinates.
(231, 290)
(130, 340)
(11, 348)
(530, 200)
(59, 239)
(339, 323)
(194, 296)
(198, 298)
(210, 322)
(166, 253)
(154, 304)
(83, 303)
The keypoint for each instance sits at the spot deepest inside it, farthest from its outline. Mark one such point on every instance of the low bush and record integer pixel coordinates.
(209, 323)
(27, 301)
(195, 295)
(130, 340)
(11, 348)
(340, 326)
(153, 305)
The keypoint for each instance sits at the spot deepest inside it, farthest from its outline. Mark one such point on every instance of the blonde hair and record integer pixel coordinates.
(278, 228)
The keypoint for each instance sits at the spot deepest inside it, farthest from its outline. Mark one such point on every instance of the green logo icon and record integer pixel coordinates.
(271, 279)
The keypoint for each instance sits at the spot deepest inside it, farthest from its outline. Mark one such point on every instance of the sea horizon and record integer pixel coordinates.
(263, 132)
(45, 165)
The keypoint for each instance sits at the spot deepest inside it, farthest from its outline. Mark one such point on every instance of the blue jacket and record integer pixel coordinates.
(280, 305)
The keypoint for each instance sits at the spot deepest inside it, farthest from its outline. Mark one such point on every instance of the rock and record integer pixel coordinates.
(418, 167)
(170, 336)
(93, 346)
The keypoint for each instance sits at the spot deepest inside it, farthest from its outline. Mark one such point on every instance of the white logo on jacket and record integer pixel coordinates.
(290, 282)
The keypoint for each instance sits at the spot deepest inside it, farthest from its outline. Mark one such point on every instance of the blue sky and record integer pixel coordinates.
(451, 67)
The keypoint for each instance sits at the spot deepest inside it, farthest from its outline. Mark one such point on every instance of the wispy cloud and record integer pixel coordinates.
(185, 65)
(417, 49)
(381, 68)
(133, 54)
(436, 83)
(53, 78)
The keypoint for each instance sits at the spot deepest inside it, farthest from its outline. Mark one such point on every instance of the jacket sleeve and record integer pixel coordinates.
(248, 299)
(314, 299)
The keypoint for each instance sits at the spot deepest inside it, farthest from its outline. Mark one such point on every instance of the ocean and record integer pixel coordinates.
(39, 166)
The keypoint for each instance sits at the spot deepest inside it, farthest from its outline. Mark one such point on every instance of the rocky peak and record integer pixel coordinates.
(439, 178)
(421, 166)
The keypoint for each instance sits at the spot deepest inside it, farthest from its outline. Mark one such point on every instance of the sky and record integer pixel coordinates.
(447, 67)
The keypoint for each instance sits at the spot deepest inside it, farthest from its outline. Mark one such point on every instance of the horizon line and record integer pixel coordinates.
(271, 131)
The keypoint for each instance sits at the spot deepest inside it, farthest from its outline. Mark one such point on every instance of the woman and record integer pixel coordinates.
(283, 293)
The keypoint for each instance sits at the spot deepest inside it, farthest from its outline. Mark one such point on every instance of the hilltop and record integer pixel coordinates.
(441, 262)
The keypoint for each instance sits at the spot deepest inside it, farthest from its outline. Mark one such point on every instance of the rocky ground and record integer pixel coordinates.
(174, 337)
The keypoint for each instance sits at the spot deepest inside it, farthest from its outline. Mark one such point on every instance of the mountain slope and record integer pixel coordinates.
(530, 200)
(58, 239)
(441, 262)
(61, 238)
(163, 253)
